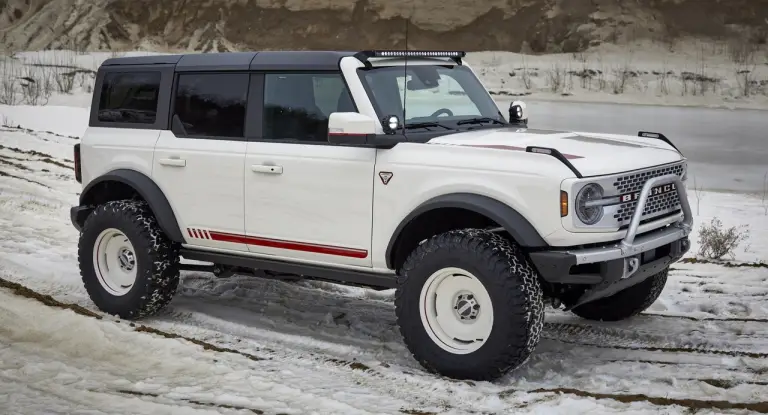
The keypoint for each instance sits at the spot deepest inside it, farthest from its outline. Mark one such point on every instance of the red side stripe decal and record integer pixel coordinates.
(293, 246)
(189, 231)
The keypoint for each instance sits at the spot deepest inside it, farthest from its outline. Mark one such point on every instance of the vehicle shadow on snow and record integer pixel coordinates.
(301, 315)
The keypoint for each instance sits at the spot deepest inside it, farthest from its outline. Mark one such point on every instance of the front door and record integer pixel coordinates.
(199, 163)
(304, 198)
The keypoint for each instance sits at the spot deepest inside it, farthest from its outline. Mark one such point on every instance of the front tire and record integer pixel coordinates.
(127, 264)
(627, 303)
(469, 305)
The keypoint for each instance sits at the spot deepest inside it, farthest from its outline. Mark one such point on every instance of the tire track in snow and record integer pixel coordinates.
(187, 401)
(693, 404)
(716, 319)
(609, 338)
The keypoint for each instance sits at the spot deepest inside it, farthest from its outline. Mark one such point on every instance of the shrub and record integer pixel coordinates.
(716, 242)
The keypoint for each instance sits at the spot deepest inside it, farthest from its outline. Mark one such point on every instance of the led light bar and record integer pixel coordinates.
(413, 53)
(364, 55)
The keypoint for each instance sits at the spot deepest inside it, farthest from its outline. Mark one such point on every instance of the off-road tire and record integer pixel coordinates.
(157, 260)
(512, 285)
(627, 303)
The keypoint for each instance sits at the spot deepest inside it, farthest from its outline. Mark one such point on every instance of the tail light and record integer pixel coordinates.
(78, 171)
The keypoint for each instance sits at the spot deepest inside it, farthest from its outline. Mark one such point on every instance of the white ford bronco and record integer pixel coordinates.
(384, 169)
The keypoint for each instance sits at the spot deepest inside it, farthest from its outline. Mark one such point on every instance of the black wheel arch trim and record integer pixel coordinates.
(512, 221)
(149, 191)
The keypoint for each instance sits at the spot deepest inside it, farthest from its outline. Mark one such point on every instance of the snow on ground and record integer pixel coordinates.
(331, 349)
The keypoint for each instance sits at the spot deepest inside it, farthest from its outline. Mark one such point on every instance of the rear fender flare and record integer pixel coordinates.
(149, 191)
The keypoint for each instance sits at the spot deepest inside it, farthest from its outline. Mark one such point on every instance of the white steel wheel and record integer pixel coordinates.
(456, 310)
(114, 260)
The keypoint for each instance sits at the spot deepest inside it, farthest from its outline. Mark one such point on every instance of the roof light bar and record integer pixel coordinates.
(364, 55)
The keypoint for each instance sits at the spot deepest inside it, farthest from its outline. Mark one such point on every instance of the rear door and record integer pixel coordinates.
(199, 163)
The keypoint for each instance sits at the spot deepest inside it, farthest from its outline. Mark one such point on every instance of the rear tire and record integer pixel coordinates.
(469, 305)
(127, 264)
(627, 303)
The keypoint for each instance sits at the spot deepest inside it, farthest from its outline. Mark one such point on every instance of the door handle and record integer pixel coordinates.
(173, 162)
(266, 168)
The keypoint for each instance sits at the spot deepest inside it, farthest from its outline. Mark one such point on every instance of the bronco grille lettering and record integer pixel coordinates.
(658, 190)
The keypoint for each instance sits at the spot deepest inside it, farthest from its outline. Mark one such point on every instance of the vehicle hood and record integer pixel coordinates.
(592, 154)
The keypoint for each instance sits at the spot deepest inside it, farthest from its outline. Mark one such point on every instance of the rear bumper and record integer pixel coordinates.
(78, 214)
(631, 259)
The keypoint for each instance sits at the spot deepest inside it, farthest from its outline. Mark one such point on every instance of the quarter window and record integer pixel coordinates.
(297, 106)
(129, 97)
(211, 105)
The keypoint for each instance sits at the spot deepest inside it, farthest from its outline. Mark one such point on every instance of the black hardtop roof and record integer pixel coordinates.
(238, 61)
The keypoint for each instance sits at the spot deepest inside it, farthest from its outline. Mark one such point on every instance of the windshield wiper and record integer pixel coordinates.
(480, 120)
(426, 124)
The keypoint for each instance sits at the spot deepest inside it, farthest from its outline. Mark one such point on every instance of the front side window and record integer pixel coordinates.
(297, 105)
(129, 97)
(428, 93)
(212, 105)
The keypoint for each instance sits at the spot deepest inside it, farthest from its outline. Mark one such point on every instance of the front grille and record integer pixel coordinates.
(657, 206)
(634, 182)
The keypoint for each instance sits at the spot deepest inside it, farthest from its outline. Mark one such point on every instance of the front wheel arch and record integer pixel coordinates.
(518, 227)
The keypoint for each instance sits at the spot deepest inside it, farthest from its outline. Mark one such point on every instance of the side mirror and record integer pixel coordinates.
(518, 113)
(350, 128)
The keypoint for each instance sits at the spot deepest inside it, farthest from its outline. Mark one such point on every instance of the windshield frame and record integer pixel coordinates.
(474, 89)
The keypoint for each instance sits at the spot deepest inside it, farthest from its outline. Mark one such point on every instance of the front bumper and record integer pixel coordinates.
(629, 259)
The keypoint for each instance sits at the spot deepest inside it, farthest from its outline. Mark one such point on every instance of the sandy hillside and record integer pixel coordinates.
(507, 25)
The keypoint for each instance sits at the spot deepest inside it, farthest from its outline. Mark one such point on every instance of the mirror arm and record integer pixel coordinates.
(386, 142)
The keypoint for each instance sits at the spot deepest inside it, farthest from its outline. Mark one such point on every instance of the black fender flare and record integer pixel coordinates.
(149, 191)
(513, 222)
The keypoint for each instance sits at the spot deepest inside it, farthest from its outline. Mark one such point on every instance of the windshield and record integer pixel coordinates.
(429, 93)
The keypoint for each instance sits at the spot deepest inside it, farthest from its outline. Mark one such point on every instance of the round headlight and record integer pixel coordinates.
(592, 214)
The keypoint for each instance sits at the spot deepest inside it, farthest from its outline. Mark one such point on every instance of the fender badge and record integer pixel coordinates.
(385, 177)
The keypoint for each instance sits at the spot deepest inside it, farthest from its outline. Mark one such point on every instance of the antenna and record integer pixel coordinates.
(405, 66)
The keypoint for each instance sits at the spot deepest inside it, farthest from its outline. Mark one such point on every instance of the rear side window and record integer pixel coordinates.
(129, 97)
(211, 105)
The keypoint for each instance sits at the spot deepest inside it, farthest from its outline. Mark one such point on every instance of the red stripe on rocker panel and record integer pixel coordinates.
(290, 245)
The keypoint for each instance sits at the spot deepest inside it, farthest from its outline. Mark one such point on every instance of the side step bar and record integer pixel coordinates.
(316, 272)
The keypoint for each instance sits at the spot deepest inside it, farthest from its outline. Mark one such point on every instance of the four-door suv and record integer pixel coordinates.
(386, 169)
